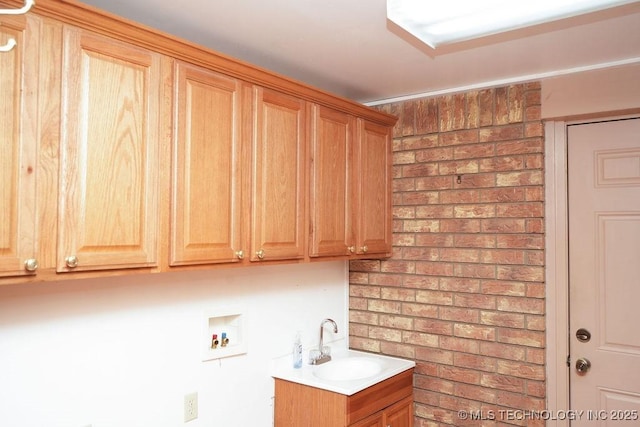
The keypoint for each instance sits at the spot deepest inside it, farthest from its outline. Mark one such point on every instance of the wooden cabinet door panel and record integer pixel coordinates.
(18, 148)
(374, 194)
(108, 211)
(332, 180)
(206, 223)
(278, 177)
(400, 414)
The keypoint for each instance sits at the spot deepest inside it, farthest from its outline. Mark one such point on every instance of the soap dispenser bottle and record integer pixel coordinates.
(297, 351)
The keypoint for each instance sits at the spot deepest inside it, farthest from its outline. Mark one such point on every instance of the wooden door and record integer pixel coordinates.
(331, 183)
(108, 210)
(376, 420)
(278, 187)
(604, 271)
(18, 148)
(400, 414)
(374, 189)
(206, 223)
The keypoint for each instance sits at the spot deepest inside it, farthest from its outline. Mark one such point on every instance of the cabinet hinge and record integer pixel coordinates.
(569, 361)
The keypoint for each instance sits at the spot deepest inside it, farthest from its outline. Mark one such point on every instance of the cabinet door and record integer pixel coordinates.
(331, 183)
(400, 414)
(108, 210)
(206, 223)
(278, 186)
(374, 189)
(18, 148)
(375, 420)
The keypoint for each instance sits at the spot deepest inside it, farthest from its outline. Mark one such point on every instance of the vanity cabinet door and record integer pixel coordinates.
(400, 414)
(18, 149)
(279, 177)
(108, 213)
(332, 183)
(206, 208)
(374, 189)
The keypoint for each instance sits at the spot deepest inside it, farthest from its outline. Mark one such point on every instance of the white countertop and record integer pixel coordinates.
(282, 368)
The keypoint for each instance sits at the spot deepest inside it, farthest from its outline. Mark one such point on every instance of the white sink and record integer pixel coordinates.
(348, 369)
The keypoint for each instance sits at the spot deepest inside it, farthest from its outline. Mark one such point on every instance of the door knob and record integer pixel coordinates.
(583, 335)
(71, 261)
(582, 366)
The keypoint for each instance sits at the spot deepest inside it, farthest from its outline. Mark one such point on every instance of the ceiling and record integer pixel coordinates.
(348, 47)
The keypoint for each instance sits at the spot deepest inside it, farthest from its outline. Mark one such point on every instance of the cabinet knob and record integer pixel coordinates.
(365, 249)
(240, 254)
(260, 254)
(31, 265)
(351, 249)
(71, 261)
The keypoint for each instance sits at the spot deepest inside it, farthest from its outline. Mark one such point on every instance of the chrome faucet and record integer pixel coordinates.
(319, 356)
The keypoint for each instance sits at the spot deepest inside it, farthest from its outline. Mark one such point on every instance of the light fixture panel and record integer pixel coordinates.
(443, 22)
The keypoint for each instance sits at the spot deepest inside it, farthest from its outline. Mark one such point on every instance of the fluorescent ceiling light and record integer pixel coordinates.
(448, 21)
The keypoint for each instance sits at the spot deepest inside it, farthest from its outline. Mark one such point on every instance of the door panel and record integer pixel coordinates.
(109, 156)
(374, 193)
(604, 254)
(279, 177)
(207, 192)
(332, 181)
(18, 148)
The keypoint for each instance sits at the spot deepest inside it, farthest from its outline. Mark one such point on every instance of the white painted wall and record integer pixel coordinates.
(592, 92)
(123, 352)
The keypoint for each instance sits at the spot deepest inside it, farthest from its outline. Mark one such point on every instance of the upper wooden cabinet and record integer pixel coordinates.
(206, 220)
(333, 139)
(126, 150)
(373, 166)
(350, 192)
(18, 151)
(278, 186)
(108, 215)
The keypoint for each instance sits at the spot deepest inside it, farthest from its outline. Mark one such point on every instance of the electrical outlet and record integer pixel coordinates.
(190, 407)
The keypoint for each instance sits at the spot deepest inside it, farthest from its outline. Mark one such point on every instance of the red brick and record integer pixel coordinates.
(460, 226)
(507, 320)
(421, 254)
(503, 133)
(474, 241)
(397, 266)
(502, 351)
(521, 337)
(512, 179)
(420, 142)
(459, 314)
(503, 382)
(460, 375)
(473, 392)
(521, 305)
(434, 240)
(474, 331)
(458, 138)
(434, 268)
(474, 361)
(459, 284)
(459, 255)
(526, 146)
(433, 326)
(502, 195)
(421, 226)
(420, 339)
(459, 196)
(420, 310)
(475, 301)
(426, 116)
(459, 344)
(528, 274)
(434, 154)
(420, 169)
(475, 270)
(420, 282)
(434, 211)
(474, 211)
(420, 198)
(502, 256)
(475, 151)
(479, 180)
(498, 287)
(364, 317)
(500, 225)
(500, 164)
(434, 297)
(458, 167)
(452, 112)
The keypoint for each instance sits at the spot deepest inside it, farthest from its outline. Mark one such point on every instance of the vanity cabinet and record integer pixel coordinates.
(397, 415)
(387, 403)
(18, 151)
(350, 190)
(109, 152)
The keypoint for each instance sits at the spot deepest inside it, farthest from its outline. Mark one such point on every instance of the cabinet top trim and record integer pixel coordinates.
(88, 17)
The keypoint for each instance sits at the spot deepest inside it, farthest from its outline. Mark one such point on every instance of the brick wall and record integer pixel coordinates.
(463, 294)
